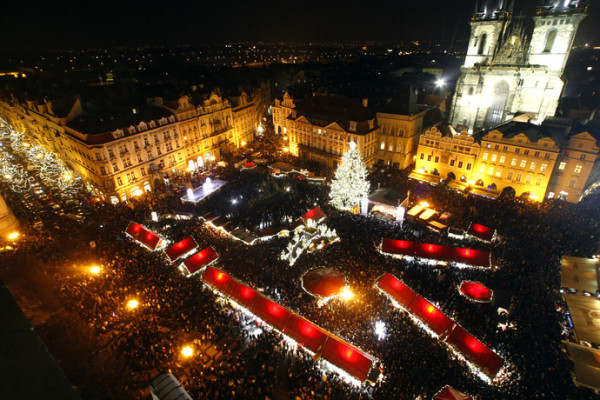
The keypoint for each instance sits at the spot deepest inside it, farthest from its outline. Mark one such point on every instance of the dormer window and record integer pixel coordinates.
(353, 126)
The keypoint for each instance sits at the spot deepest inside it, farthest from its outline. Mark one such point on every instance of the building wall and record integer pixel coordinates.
(398, 138)
(131, 160)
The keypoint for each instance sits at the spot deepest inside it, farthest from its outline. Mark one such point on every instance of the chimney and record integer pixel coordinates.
(365, 102)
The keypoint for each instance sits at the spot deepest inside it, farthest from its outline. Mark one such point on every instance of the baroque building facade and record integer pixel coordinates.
(508, 71)
(126, 154)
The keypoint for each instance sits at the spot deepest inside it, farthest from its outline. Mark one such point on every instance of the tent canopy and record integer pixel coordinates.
(449, 393)
(477, 258)
(580, 273)
(315, 214)
(200, 260)
(476, 291)
(181, 248)
(323, 282)
(481, 232)
(333, 349)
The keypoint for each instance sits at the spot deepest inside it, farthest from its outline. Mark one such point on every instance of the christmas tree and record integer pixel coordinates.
(350, 184)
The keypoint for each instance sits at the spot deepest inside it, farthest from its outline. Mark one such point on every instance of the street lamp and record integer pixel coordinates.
(187, 351)
(95, 269)
(346, 293)
(13, 236)
(132, 304)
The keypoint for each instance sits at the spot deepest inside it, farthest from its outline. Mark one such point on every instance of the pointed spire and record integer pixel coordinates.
(501, 5)
(476, 7)
(511, 7)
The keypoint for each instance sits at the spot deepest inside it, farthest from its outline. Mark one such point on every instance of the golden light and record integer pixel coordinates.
(286, 149)
(39, 155)
(95, 270)
(187, 351)
(13, 235)
(346, 293)
(424, 204)
(285, 138)
(25, 144)
(430, 309)
(213, 158)
(132, 304)
(67, 176)
(243, 144)
(8, 176)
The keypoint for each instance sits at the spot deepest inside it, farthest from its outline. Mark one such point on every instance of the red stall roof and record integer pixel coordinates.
(134, 229)
(149, 239)
(481, 232)
(347, 357)
(200, 260)
(475, 351)
(333, 349)
(477, 258)
(271, 312)
(449, 393)
(397, 290)
(431, 315)
(305, 333)
(180, 248)
(315, 214)
(476, 291)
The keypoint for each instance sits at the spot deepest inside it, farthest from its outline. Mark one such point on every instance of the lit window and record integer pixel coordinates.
(498, 172)
(502, 159)
(543, 167)
(494, 156)
(513, 162)
(485, 156)
(382, 147)
(538, 182)
(528, 180)
(578, 169)
(482, 168)
(562, 165)
(523, 163)
(532, 166)
(490, 170)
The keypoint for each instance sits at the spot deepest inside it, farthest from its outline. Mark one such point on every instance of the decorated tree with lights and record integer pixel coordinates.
(350, 184)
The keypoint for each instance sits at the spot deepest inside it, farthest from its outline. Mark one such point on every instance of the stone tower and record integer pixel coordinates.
(508, 69)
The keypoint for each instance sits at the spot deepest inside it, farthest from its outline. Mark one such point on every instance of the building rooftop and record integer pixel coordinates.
(103, 121)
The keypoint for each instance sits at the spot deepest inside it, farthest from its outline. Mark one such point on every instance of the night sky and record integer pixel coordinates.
(62, 24)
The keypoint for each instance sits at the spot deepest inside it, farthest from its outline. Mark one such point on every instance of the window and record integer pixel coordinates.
(490, 170)
(517, 150)
(391, 147)
(526, 152)
(488, 146)
(536, 154)
(468, 166)
(562, 165)
(528, 180)
(437, 159)
(115, 168)
(494, 156)
(502, 159)
(532, 166)
(505, 148)
(382, 147)
(485, 156)
(102, 171)
(143, 171)
(550, 40)
(98, 158)
(498, 172)
(513, 162)
(519, 176)
(582, 157)
(538, 182)
(429, 157)
(543, 167)
(578, 169)
(523, 163)
(452, 163)
(572, 183)
(496, 147)
(481, 48)
(460, 164)
(139, 158)
(110, 153)
(510, 175)
(482, 168)
(119, 181)
(149, 154)
(422, 156)
(547, 156)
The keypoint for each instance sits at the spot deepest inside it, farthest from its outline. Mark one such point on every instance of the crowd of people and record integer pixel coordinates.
(175, 311)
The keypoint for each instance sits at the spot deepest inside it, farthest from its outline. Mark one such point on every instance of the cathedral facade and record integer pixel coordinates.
(509, 70)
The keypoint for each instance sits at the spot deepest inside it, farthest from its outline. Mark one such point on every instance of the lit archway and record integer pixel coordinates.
(550, 39)
(497, 104)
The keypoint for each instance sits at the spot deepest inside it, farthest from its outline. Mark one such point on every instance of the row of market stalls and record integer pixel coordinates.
(442, 326)
(580, 280)
(281, 169)
(461, 257)
(323, 344)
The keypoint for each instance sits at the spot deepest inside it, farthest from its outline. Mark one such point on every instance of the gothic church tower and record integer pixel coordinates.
(509, 70)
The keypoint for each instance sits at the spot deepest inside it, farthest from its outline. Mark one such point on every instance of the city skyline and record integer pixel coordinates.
(34, 26)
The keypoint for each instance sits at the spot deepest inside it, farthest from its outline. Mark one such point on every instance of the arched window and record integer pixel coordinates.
(482, 44)
(550, 41)
(497, 104)
(399, 148)
(382, 147)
